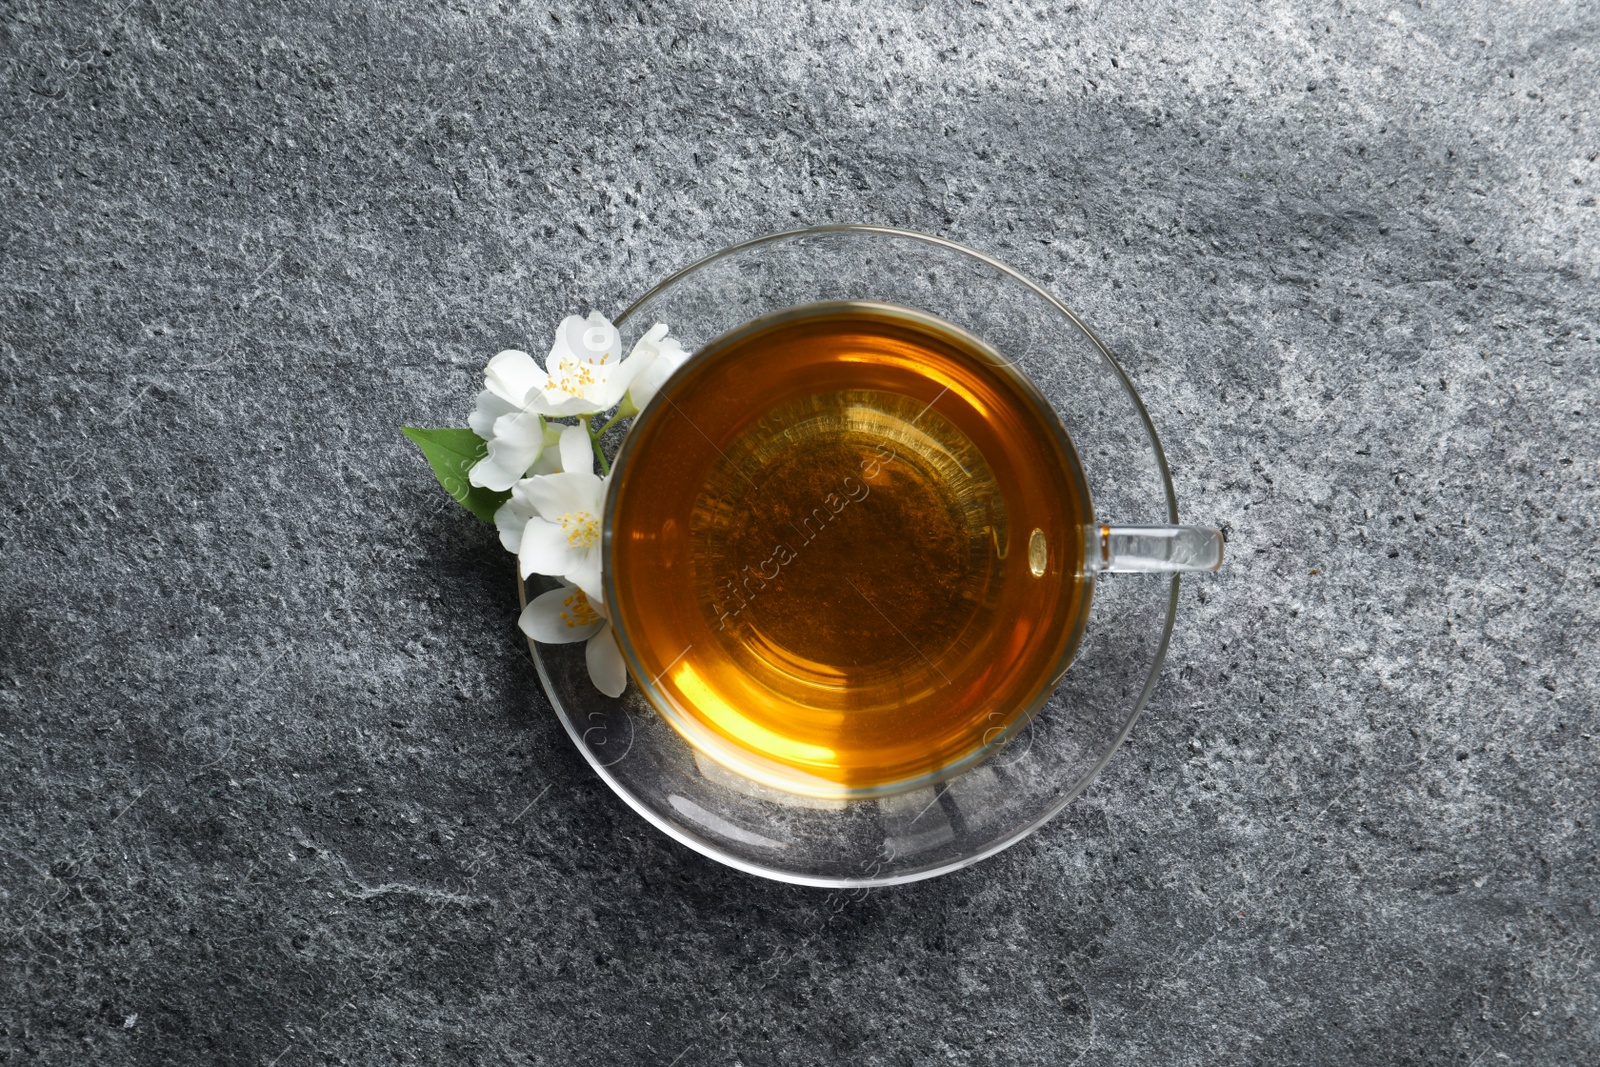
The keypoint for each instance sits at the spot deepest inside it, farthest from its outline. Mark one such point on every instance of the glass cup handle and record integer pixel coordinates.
(1152, 549)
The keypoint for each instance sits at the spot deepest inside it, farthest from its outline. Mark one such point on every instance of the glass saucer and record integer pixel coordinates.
(932, 830)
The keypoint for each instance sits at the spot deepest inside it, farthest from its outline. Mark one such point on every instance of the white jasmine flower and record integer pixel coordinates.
(504, 417)
(552, 521)
(584, 372)
(663, 355)
(513, 515)
(566, 614)
(517, 437)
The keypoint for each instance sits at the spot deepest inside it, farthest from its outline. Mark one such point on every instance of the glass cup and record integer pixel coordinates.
(691, 785)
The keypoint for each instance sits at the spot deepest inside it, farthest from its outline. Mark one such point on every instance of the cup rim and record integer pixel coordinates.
(734, 761)
(722, 855)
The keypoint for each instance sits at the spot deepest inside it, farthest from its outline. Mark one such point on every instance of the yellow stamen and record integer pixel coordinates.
(576, 377)
(581, 527)
(582, 612)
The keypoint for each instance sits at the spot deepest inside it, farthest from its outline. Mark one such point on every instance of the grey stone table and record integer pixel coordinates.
(278, 785)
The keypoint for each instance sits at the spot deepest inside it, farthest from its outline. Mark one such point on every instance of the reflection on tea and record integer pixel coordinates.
(846, 549)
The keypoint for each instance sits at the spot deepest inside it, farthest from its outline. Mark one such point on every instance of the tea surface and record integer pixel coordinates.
(846, 550)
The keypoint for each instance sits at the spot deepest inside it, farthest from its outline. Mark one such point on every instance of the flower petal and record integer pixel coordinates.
(497, 470)
(512, 375)
(521, 428)
(519, 497)
(549, 461)
(669, 356)
(604, 658)
(591, 340)
(544, 549)
(561, 616)
(554, 404)
(583, 341)
(576, 452)
(584, 572)
(511, 520)
(608, 392)
(554, 495)
(490, 407)
(502, 467)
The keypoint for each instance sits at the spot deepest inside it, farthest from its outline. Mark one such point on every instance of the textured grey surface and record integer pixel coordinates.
(277, 784)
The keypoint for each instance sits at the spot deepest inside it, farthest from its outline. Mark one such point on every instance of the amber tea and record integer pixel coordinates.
(845, 550)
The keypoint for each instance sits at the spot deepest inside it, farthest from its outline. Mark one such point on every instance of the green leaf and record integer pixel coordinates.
(451, 453)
